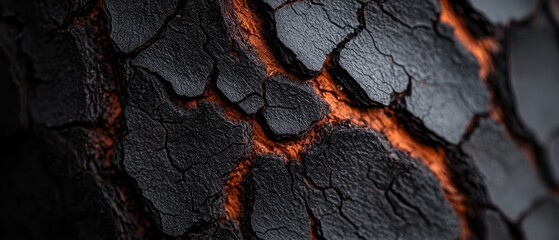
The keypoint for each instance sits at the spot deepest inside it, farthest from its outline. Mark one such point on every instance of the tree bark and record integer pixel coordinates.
(276, 119)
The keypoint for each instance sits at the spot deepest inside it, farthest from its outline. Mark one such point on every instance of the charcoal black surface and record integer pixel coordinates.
(446, 91)
(179, 56)
(240, 72)
(276, 3)
(365, 63)
(512, 183)
(51, 68)
(278, 207)
(59, 66)
(312, 29)
(134, 22)
(179, 158)
(222, 231)
(241, 78)
(50, 62)
(48, 14)
(362, 188)
(197, 47)
(138, 120)
(292, 107)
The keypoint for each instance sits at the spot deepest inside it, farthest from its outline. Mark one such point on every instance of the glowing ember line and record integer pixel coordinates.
(381, 120)
(384, 120)
(480, 48)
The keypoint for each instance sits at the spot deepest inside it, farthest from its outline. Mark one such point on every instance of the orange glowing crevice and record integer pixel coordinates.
(341, 109)
(234, 189)
(384, 121)
(250, 26)
(261, 145)
(482, 49)
(102, 137)
(251, 31)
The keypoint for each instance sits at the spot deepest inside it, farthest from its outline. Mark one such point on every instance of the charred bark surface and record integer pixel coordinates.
(277, 119)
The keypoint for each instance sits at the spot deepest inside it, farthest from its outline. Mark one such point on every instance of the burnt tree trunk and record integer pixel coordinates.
(276, 119)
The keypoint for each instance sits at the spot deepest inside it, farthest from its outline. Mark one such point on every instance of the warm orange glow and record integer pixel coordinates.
(248, 22)
(383, 120)
(480, 48)
(341, 109)
(102, 137)
(234, 189)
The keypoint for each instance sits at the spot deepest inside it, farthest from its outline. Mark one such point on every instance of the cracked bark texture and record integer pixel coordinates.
(279, 119)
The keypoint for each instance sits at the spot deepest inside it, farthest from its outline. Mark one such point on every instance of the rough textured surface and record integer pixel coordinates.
(278, 209)
(291, 108)
(133, 23)
(61, 91)
(505, 11)
(542, 222)
(196, 47)
(445, 89)
(276, 3)
(57, 67)
(241, 79)
(179, 158)
(179, 56)
(218, 119)
(62, 69)
(312, 29)
(444, 99)
(534, 55)
(371, 71)
(364, 189)
(354, 186)
(240, 72)
(222, 231)
(511, 182)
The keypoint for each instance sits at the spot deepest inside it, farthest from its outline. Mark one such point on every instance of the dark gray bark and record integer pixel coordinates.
(154, 119)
